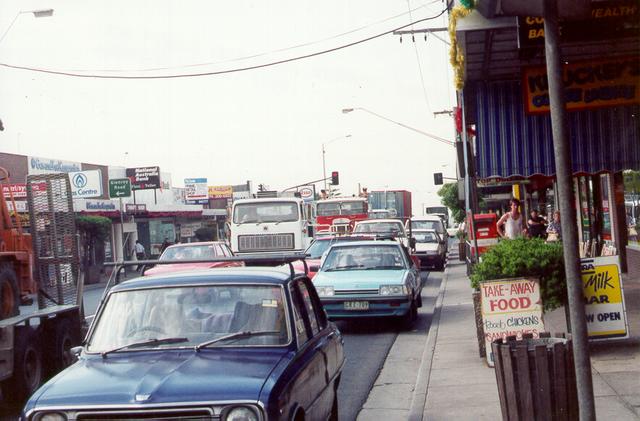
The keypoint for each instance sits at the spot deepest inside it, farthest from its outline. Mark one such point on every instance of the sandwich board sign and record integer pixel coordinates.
(604, 298)
(510, 307)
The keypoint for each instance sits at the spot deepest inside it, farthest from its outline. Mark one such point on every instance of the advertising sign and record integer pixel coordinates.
(86, 184)
(21, 206)
(48, 166)
(510, 307)
(220, 192)
(135, 207)
(119, 187)
(609, 20)
(95, 206)
(588, 84)
(307, 193)
(604, 300)
(143, 178)
(19, 190)
(196, 190)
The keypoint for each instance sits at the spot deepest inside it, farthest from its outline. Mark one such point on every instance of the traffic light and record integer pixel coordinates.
(334, 178)
(437, 178)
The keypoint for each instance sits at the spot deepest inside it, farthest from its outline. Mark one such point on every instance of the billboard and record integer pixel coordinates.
(85, 184)
(196, 191)
(143, 178)
(220, 192)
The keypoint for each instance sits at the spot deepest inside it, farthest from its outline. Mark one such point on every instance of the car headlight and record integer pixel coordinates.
(393, 290)
(51, 416)
(241, 413)
(325, 291)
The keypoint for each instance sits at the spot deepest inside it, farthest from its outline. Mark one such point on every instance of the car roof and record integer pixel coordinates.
(198, 243)
(376, 221)
(342, 238)
(427, 218)
(384, 242)
(240, 275)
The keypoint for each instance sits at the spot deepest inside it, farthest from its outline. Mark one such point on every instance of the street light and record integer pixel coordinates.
(324, 167)
(38, 13)
(432, 136)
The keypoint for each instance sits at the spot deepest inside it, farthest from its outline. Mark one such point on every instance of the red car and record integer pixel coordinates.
(193, 251)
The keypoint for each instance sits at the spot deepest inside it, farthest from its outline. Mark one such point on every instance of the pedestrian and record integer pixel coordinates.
(323, 194)
(510, 224)
(554, 232)
(536, 225)
(363, 193)
(164, 245)
(138, 249)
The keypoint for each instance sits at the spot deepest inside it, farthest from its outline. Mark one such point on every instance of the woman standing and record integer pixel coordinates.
(510, 225)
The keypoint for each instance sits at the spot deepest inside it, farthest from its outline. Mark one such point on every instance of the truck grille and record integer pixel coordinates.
(265, 242)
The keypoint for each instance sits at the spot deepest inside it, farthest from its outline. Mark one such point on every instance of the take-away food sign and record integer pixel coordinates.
(604, 299)
(510, 307)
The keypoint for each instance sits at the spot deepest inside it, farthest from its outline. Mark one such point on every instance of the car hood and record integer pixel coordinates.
(162, 377)
(180, 267)
(355, 279)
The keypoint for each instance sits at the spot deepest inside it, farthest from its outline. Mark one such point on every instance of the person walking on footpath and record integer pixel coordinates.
(510, 225)
(536, 225)
(139, 251)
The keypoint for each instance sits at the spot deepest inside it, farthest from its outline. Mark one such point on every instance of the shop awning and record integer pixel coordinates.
(512, 143)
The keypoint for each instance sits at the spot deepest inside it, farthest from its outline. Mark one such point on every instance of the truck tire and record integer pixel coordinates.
(27, 366)
(62, 339)
(9, 292)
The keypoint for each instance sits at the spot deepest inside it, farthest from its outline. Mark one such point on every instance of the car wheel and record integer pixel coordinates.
(9, 293)
(440, 265)
(28, 371)
(419, 300)
(410, 317)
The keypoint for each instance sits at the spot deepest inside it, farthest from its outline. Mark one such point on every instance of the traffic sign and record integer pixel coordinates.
(119, 187)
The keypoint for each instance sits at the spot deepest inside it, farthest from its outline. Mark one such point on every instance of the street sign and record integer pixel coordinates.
(119, 187)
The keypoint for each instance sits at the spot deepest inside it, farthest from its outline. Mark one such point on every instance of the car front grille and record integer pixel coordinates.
(356, 292)
(265, 242)
(189, 414)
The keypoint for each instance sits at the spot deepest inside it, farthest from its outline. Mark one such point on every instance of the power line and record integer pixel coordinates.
(264, 53)
(415, 48)
(221, 72)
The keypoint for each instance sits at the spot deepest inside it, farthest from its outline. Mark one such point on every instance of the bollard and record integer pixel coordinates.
(536, 378)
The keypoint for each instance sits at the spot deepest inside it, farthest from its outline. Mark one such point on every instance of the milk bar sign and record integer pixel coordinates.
(604, 300)
(510, 307)
(144, 178)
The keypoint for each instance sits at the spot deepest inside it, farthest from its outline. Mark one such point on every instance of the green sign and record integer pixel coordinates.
(119, 187)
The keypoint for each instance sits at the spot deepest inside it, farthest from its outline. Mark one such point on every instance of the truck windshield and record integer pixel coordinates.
(248, 213)
(341, 208)
(196, 314)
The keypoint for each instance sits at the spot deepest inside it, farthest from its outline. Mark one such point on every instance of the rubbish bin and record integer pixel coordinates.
(536, 378)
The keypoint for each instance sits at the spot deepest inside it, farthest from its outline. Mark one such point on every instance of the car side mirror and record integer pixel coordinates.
(314, 268)
(76, 351)
(412, 242)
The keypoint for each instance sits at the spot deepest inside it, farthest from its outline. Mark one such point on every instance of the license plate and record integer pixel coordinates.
(356, 305)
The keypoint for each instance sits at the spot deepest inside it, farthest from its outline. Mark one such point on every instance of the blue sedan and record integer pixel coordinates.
(230, 344)
(369, 279)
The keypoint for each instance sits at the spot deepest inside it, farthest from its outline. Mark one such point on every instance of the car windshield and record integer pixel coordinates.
(363, 257)
(195, 314)
(427, 237)
(189, 253)
(317, 248)
(393, 228)
(248, 213)
(426, 225)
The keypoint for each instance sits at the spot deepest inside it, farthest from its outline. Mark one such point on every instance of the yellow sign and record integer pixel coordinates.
(604, 299)
(589, 84)
(220, 192)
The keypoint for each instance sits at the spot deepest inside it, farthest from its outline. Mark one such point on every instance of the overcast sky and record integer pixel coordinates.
(266, 125)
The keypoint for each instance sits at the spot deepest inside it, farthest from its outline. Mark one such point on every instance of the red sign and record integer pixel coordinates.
(19, 190)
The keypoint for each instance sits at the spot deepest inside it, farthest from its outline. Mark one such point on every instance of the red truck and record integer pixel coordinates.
(340, 210)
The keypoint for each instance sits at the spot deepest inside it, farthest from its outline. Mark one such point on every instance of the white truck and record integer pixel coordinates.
(269, 225)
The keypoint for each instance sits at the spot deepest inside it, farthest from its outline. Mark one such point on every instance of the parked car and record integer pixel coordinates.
(430, 222)
(430, 249)
(193, 251)
(226, 344)
(369, 278)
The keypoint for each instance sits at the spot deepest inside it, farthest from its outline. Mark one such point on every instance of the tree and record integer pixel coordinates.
(449, 198)
(94, 231)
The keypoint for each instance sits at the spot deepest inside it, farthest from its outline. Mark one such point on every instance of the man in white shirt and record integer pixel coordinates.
(139, 251)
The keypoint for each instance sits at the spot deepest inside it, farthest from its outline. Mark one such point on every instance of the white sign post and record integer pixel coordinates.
(510, 307)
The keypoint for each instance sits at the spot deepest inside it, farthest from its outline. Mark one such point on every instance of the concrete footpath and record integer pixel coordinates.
(451, 381)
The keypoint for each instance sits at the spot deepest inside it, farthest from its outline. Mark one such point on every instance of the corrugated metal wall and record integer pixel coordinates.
(510, 142)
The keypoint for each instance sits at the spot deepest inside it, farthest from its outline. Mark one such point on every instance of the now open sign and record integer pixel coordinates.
(510, 307)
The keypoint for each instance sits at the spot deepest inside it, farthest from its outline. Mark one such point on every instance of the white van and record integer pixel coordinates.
(430, 222)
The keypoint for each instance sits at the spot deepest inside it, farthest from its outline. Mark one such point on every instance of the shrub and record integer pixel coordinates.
(526, 257)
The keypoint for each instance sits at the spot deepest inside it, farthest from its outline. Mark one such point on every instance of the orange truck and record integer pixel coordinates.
(36, 341)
